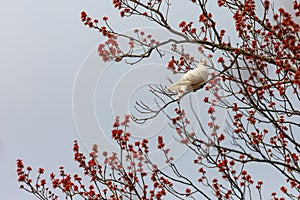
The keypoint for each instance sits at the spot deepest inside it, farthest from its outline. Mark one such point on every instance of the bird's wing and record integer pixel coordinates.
(197, 86)
(192, 76)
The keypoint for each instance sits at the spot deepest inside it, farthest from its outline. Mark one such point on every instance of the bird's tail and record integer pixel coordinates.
(175, 87)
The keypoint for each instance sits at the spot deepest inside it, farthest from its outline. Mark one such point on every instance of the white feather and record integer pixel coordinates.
(191, 80)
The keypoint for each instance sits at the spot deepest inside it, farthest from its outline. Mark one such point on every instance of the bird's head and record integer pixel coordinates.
(203, 61)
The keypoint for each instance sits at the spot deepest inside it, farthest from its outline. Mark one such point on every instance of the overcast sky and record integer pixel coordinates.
(44, 49)
(44, 46)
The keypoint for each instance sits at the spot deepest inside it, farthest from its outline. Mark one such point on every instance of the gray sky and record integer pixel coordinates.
(43, 46)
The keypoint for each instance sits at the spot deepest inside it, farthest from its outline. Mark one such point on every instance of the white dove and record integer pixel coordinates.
(192, 80)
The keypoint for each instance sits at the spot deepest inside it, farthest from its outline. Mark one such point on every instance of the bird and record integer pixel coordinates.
(191, 81)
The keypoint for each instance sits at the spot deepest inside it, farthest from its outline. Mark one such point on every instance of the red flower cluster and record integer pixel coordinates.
(88, 20)
(187, 28)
